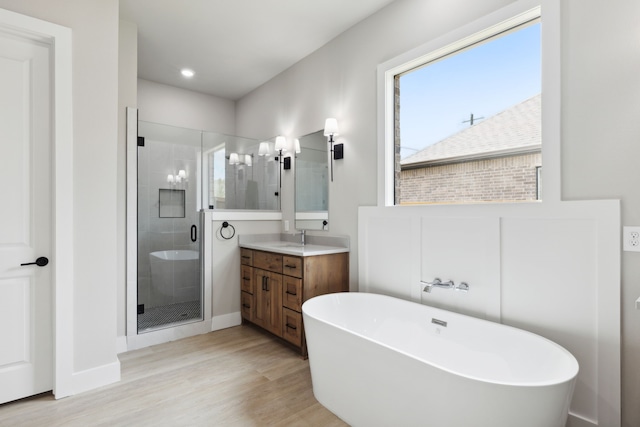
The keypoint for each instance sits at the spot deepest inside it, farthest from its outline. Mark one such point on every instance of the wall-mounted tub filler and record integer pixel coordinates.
(437, 283)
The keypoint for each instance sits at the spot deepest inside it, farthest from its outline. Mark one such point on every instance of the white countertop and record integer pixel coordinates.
(296, 249)
(289, 244)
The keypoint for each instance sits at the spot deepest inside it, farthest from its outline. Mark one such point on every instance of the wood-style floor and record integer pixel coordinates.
(234, 377)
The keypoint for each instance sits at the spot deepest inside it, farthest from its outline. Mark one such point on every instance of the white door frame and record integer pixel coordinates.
(59, 39)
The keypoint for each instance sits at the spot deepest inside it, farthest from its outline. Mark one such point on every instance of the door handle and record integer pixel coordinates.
(40, 262)
(194, 233)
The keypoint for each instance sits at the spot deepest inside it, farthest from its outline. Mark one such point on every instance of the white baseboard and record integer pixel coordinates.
(93, 378)
(161, 336)
(226, 321)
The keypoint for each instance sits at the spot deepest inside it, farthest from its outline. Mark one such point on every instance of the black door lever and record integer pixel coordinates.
(40, 262)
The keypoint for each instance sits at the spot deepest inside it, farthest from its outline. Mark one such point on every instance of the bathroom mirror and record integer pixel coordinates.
(312, 183)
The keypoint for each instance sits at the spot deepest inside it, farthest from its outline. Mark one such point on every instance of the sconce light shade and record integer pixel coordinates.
(233, 159)
(264, 149)
(330, 127)
(170, 179)
(248, 160)
(296, 145)
(281, 143)
(182, 173)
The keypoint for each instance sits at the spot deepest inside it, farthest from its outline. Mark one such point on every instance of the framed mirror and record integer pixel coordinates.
(312, 183)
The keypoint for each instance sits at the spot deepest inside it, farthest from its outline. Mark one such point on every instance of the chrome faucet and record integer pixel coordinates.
(302, 234)
(437, 283)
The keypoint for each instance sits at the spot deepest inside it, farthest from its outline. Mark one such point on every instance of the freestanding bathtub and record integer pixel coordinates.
(175, 277)
(381, 361)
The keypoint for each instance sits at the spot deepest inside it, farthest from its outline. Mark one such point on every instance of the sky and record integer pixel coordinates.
(436, 99)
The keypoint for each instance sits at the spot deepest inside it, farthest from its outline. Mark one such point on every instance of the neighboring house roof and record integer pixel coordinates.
(513, 131)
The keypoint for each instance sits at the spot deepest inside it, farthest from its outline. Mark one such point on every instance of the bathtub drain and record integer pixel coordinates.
(439, 322)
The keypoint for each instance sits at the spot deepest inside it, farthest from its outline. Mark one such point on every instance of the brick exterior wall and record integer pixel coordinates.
(503, 179)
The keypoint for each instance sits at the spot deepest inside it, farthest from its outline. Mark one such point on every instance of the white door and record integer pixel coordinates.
(26, 355)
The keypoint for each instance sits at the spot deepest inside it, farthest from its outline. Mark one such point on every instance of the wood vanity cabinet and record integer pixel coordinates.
(274, 286)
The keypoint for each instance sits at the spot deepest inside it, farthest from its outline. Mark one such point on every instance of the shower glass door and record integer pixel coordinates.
(170, 290)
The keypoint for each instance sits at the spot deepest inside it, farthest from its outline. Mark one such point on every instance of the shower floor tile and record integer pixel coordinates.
(166, 315)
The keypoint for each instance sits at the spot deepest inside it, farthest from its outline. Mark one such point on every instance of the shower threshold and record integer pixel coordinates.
(170, 315)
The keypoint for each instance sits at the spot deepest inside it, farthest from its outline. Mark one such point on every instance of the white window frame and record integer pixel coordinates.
(489, 25)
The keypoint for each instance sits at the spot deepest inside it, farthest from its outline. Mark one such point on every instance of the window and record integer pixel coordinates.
(467, 118)
(217, 177)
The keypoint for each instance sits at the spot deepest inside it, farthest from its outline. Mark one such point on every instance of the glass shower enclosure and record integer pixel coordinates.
(180, 174)
(169, 220)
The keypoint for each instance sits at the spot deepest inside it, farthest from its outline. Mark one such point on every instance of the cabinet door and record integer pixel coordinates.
(246, 308)
(246, 279)
(292, 326)
(246, 256)
(292, 293)
(268, 301)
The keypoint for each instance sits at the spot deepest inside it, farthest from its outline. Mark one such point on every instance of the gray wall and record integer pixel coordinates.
(94, 24)
(600, 98)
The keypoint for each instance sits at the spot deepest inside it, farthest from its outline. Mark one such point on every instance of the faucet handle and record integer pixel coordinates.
(463, 286)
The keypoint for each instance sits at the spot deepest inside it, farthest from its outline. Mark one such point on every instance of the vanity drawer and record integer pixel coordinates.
(246, 306)
(246, 282)
(292, 266)
(292, 293)
(267, 261)
(292, 326)
(246, 256)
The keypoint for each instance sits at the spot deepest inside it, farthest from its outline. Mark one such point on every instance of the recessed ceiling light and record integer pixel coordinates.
(187, 72)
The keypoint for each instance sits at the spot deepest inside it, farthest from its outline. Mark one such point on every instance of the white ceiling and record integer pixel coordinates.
(234, 46)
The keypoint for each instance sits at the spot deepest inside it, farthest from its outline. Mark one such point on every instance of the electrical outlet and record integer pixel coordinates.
(631, 239)
(285, 225)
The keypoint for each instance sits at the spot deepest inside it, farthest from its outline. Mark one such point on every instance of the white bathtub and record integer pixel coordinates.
(175, 277)
(380, 361)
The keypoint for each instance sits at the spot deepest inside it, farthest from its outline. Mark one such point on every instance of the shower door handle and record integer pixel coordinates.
(194, 233)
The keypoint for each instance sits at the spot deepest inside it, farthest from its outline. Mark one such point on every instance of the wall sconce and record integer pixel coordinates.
(281, 145)
(240, 159)
(234, 159)
(337, 150)
(178, 178)
(264, 149)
